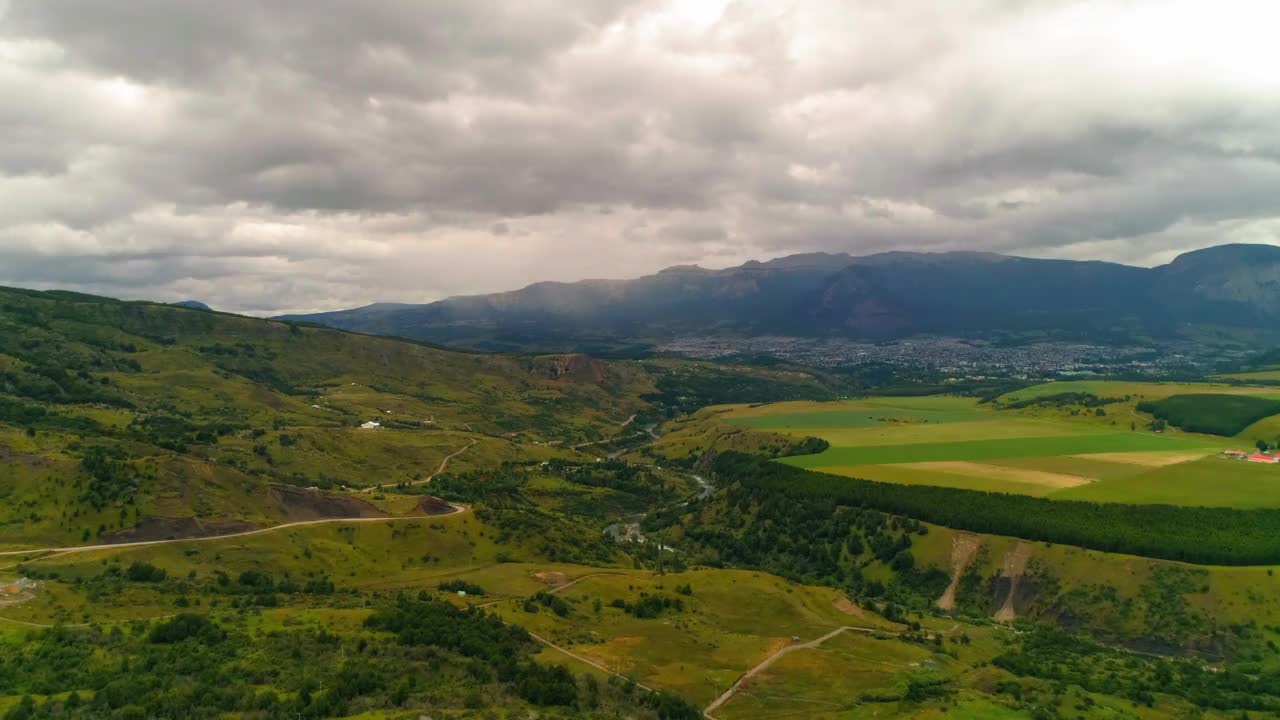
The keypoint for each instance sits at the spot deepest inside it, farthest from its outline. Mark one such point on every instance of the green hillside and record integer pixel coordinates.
(126, 420)
(557, 536)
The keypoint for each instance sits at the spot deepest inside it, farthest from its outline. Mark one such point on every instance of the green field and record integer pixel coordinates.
(1211, 481)
(997, 448)
(1041, 450)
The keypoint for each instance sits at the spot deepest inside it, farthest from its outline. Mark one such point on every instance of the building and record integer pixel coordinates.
(1264, 458)
(371, 425)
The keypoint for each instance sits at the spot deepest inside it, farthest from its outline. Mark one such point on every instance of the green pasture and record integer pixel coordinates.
(1259, 375)
(1071, 465)
(1032, 451)
(731, 621)
(919, 476)
(1213, 481)
(1135, 390)
(973, 450)
(858, 414)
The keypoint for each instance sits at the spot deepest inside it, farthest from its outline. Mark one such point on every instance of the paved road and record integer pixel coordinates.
(206, 538)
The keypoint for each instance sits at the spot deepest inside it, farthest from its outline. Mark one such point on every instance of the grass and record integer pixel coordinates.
(837, 676)
(996, 448)
(1043, 451)
(731, 622)
(909, 474)
(857, 414)
(1211, 481)
(1135, 390)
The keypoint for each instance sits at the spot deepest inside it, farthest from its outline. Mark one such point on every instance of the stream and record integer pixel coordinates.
(628, 529)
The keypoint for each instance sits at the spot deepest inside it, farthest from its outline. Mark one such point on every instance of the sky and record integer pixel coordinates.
(280, 156)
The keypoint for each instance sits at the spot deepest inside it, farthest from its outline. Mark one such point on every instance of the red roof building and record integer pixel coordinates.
(1263, 458)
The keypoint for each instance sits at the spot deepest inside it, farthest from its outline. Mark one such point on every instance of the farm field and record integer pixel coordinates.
(1054, 450)
(1138, 390)
(1257, 375)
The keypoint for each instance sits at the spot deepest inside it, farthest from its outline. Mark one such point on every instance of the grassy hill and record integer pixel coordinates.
(127, 420)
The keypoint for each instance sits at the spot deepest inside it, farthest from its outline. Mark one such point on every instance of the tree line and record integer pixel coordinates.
(1204, 535)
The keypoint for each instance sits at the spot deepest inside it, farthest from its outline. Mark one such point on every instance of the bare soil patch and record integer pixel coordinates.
(430, 505)
(1149, 459)
(846, 606)
(1015, 566)
(552, 577)
(301, 504)
(1000, 472)
(964, 547)
(172, 528)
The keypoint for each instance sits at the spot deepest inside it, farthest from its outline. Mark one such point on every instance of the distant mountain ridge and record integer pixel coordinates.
(875, 297)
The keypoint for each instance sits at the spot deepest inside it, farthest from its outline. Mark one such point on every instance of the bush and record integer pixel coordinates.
(145, 572)
(186, 626)
(460, 586)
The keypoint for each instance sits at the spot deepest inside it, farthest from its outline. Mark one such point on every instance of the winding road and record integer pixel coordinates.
(764, 665)
(444, 465)
(206, 538)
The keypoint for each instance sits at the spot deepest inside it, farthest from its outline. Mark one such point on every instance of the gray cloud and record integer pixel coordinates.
(292, 155)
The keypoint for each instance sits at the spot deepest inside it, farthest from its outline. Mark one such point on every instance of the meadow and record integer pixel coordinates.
(1082, 440)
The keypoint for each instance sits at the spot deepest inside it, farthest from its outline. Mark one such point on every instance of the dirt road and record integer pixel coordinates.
(444, 465)
(764, 665)
(143, 543)
(588, 661)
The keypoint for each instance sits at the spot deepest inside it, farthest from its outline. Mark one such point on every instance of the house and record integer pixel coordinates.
(1264, 458)
(371, 425)
(1237, 454)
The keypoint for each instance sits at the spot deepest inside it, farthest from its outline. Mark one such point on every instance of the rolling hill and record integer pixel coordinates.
(125, 420)
(890, 295)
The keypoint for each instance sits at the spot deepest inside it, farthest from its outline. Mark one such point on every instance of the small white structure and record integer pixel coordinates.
(371, 425)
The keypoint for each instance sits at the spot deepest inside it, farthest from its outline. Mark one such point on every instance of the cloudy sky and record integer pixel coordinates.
(274, 156)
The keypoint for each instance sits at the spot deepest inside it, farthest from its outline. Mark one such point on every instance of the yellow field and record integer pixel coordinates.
(1148, 459)
(998, 472)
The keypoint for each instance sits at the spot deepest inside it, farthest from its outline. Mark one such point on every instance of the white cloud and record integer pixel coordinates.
(312, 155)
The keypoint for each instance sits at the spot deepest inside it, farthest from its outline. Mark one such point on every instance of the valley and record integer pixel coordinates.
(194, 493)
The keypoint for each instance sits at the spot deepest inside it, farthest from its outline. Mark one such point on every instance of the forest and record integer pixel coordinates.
(1204, 535)
(1211, 413)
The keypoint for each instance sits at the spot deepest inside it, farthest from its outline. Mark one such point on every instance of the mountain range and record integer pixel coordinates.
(1225, 289)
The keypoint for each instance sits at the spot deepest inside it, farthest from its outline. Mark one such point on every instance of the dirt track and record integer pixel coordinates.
(206, 538)
(764, 665)
(444, 465)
